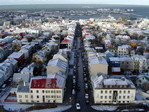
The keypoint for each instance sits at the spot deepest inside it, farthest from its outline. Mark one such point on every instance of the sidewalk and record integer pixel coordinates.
(21, 107)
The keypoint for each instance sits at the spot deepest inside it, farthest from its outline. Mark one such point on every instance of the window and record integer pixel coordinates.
(101, 97)
(31, 96)
(47, 96)
(37, 96)
(20, 96)
(26, 96)
(20, 100)
(120, 91)
(42, 91)
(123, 97)
(109, 97)
(127, 96)
(105, 97)
(26, 100)
(105, 91)
(37, 91)
(51, 91)
(128, 91)
(31, 91)
(124, 92)
(110, 91)
(119, 97)
(101, 91)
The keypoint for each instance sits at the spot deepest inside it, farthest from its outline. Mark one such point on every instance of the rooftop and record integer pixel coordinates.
(48, 83)
(99, 82)
(23, 89)
(114, 58)
(15, 55)
(58, 62)
(97, 60)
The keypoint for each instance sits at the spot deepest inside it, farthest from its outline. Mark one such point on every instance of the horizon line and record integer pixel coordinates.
(76, 4)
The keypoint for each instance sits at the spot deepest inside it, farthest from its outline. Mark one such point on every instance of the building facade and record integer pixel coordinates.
(113, 91)
(42, 90)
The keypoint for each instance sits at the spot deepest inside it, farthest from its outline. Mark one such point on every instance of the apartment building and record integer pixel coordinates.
(140, 63)
(113, 90)
(48, 89)
(123, 50)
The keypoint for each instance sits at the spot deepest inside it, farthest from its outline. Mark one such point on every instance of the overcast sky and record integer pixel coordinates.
(132, 2)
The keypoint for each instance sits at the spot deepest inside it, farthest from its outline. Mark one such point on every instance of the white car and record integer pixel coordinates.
(78, 106)
(86, 96)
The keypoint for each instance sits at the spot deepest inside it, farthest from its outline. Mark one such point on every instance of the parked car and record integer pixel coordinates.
(86, 96)
(85, 79)
(87, 101)
(86, 86)
(78, 106)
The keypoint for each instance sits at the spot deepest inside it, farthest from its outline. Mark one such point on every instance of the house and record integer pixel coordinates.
(126, 63)
(97, 65)
(21, 79)
(114, 65)
(142, 80)
(123, 50)
(2, 54)
(6, 69)
(114, 61)
(13, 62)
(40, 56)
(56, 65)
(66, 43)
(61, 55)
(25, 52)
(140, 63)
(109, 54)
(48, 89)
(29, 69)
(1, 79)
(17, 56)
(113, 90)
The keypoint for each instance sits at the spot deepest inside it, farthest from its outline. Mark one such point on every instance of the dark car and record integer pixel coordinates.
(87, 101)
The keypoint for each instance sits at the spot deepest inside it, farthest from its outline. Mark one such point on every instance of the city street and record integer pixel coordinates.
(79, 96)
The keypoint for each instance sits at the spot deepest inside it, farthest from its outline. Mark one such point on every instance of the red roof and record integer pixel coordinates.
(44, 83)
(65, 41)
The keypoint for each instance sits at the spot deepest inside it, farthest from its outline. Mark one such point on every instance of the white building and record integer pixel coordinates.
(61, 55)
(48, 89)
(97, 65)
(56, 65)
(112, 90)
(140, 63)
(123, 50)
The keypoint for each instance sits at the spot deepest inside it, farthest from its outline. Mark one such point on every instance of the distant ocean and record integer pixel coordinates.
(140, 10)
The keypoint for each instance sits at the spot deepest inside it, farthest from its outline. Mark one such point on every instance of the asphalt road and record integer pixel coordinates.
(80, 95)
